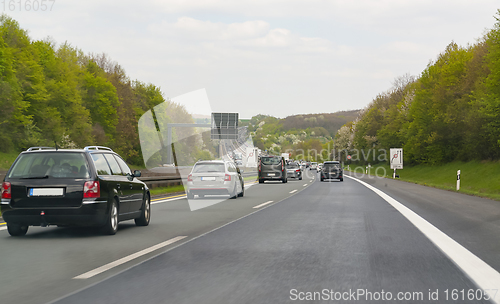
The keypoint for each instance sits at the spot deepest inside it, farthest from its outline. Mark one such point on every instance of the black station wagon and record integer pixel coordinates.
(79, 187)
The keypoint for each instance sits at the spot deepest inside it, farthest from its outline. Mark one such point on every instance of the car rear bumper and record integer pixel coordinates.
(209, 191)
(277, 175)
(85, 215)
(331, 176)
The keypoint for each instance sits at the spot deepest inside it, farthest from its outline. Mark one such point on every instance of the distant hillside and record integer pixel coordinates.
(330, 121)
(297, 131)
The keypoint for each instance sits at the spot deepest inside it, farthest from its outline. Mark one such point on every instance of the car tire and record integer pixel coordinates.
(111, 226)
(322, 179)
(16, 229)
(242, 191)
(300, 178)
(234, 194)
(261, 181)
(342, 179)
(189, 195)
(143, 220)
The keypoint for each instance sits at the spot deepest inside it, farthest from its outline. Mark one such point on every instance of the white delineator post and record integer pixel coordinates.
(394, 174)
(458, 180)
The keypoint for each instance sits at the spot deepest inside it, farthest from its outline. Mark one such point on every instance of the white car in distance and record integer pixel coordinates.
(215, 177)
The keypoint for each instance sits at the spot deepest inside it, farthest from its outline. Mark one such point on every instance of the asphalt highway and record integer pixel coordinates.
(303, 241)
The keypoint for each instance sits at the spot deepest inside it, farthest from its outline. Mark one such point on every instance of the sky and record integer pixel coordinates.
(272, 57)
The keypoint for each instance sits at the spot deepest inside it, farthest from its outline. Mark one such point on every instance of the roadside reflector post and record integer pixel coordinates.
(394, 174)
(458, 180)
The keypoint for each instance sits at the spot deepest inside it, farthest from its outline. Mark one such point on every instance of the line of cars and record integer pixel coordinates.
(95, 187)
(276, 168)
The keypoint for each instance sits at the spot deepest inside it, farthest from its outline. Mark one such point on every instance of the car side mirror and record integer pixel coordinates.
(137, 173)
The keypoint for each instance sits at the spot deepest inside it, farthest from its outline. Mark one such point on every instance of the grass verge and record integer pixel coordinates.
(167, 190)
(476, 178)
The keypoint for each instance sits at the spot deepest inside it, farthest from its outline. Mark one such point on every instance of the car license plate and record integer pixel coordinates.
(271, 174)
(46, 191)
(207, 178)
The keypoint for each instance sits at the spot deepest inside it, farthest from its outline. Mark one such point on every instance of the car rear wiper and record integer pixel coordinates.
(36, 177)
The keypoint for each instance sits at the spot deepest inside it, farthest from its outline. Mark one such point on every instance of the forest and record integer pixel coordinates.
(450, 112)
(57, 95)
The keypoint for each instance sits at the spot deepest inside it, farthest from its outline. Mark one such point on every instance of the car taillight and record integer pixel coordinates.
(259, 166)
(91, 189)
(227, 178)
(6, 190)
(298, 170)
(190, 177)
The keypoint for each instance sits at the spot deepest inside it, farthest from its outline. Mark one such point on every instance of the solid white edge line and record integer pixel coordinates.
(128, 258)
(482, 274)
(293, 191)
(3, 228)
(262, 205)
(304, 185)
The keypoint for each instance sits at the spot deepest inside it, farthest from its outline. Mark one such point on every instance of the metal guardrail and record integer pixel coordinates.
(156, 180)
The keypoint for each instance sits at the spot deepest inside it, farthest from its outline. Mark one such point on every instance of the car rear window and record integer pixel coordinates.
(271, 160)
(50, 165)
(209, 167)
(331, 166)
(292, 165)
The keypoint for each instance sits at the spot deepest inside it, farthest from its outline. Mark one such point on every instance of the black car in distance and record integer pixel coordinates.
(272, 168)
(332, 170)
(78, 187)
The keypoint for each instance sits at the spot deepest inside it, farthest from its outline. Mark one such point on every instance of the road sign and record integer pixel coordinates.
(224, 126)
(396, 158)
(348, 157)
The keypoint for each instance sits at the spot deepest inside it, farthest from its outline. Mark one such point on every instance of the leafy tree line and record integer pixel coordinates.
(450, 112)
(60, 95)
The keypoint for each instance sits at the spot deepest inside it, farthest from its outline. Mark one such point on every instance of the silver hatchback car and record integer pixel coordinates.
(215, 177)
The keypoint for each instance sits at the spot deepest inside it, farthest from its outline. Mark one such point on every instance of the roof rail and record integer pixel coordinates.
(40, 148)
(87, 148)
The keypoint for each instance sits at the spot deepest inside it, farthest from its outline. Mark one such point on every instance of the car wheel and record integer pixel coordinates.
(189, 195)
(261, 181)
(143, 220)
(300, 178)
(234, 194)
(111, 226)
(16, 229)
(322, 179)
(342, 179)
(242, 191)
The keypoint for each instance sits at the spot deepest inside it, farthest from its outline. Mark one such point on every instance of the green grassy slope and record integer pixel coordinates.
(477, 178)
